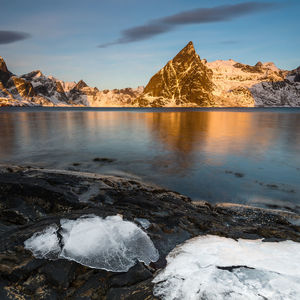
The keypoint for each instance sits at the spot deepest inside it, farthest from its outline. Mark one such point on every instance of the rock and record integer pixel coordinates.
(184, 80)
(81, 84)
(136, 274)
(143, 290)
(47, 88)
(4, 73)
(43, 197)
(59, 273)
(104, 159)
(20, 87)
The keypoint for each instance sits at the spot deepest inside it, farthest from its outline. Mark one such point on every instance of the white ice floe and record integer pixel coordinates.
(201, 269)
(110, 244)
(44, 244)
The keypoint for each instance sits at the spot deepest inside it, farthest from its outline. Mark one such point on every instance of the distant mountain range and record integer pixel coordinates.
(185, 81)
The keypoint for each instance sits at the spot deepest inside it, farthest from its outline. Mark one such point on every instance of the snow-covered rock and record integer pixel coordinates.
(236, 83)
(88, 96)
(35, 88)
(213, 267)
(110, 244)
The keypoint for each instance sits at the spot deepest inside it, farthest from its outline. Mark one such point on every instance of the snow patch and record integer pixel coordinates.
(212, 267)
(110, 244)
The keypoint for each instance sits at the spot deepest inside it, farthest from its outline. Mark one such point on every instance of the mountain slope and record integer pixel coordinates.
(183, 81)
(264, 84)
(35, 88)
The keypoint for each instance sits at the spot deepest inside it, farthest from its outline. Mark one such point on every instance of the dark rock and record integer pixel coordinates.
(59, 272)
(136, 274)
(139, 291)
(232, 268)
(90, 285)
(4, 73)
(251, 69)
(236, 174)
(104, 159)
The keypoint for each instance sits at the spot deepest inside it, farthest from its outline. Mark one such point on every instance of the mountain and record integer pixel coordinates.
(185, 81)
(35, 88)
(263, 84)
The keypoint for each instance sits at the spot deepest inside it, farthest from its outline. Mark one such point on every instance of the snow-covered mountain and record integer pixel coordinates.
(264, 84)
(186, 80)
(35, 88)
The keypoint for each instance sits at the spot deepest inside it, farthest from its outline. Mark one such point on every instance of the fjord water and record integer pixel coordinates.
(248, 156)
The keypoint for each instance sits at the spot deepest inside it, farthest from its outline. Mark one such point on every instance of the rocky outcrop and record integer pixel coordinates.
(20, 87)
(4, 73)
(183, 81)
(32, 199)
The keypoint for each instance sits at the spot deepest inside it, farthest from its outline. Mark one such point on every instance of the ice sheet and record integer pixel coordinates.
(201, 269)
(111, 244)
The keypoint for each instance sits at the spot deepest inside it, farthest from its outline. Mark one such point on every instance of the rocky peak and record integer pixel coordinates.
(269, 65)
(4, 73)
(3, 66)
(184, 79)
(80, 84)
(33, 75)
(297, 77)
(187, 53)
(295, 74)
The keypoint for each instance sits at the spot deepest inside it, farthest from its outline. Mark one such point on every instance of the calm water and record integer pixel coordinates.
(229, 155)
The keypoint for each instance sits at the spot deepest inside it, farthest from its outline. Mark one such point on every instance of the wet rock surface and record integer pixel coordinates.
(32, 199)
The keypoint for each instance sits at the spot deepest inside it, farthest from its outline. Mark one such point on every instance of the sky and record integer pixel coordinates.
(122, 43)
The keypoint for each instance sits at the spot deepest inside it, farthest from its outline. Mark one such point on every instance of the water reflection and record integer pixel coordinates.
(188, 151)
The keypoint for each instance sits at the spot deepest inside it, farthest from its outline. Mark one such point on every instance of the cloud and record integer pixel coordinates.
(7, 37)
(220, 13)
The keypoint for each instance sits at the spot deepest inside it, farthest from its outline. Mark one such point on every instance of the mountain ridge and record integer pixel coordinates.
(185, 81)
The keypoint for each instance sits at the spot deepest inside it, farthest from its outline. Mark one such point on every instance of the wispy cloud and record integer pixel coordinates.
(222, 13)
(8, 36)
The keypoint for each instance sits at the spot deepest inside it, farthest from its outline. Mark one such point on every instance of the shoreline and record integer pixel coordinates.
(34, 198)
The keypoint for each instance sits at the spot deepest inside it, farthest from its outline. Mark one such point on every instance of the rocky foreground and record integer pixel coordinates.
(32, 199)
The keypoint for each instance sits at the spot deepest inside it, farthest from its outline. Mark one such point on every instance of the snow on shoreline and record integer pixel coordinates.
(213, 267)
(110, 244)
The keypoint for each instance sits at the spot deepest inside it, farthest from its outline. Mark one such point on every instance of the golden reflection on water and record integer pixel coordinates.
(215, 132)
(181, 133)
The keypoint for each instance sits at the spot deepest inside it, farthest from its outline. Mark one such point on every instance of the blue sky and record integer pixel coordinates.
(64, 36)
